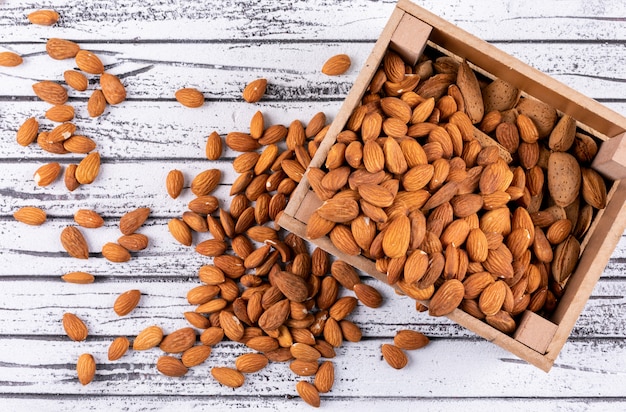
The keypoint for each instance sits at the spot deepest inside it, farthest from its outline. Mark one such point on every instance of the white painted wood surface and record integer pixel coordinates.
(158, 46)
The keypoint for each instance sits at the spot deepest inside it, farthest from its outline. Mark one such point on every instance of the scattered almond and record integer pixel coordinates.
(190, 97)
(336, 65)
(60, 49)
(126, 302)
(50, 92)
(74, 327)
(78, 277)
(30, 215)
(43, 17)
(118, 348)
(171, 366)
(10, 59)
(228, 376)
(86, 368)
(254, 91)
(148, 338)
(88, 218)
(89, 62)
(74, 242)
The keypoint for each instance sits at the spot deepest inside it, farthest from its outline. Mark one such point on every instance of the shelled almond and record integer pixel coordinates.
(460, 190)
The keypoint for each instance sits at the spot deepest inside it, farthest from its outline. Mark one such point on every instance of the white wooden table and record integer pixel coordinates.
(160, 46)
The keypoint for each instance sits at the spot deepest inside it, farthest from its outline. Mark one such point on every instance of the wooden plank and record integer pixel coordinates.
(28, 299)
(581, 372)
(266, 403)
(501, 19)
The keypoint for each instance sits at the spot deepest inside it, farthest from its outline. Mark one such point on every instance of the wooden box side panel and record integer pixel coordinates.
(519, 74)
(601, 244)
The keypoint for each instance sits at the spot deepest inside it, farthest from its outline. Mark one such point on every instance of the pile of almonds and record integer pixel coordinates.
(461, 191)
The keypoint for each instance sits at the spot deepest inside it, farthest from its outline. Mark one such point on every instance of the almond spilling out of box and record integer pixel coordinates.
(470, 182)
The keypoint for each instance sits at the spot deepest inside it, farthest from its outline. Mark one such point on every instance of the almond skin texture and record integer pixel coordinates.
(60, 49)
(171, 366)
(174, 183)
(113, 89)
(189, 97)
(76, 80)
(30, 215)
(115, 253)
(336, 65)
(178, 341)
(131, 221)
(43, 17)
(148, 338)
(447, 298)
(60, 113)
(251, 362)
(85, 368)
(74, 243)
(308, 393)
(395, 357)
(254, 91)
(196, 355)
(74, 327)
(88, 218)
(89, 62)
(118, 348)
(10, 59)
(126, 302)
(325, 377)
(50, 92)
(410, 340)
(82, 278)
(214, 146)
(88, 168)
(96, 104)
(27, 133)
(228, 376)
(47, 174)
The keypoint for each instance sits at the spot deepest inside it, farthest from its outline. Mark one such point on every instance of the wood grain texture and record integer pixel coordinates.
(159, 46)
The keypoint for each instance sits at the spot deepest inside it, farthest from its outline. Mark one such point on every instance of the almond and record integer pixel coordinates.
(118, 348)
(397, 237)
(88, 218)
(88, 168)
(74, 242)
(89, 62)
(114, 252)
(211, 247)
(131, 221)
(447, 298)
(593, 188)
(85, 368)
(564, 178)
(113, 89)
(233, 328)
(336, 65)
(78, 277)
(74, 327)
(126, 302)
(293, 287)
(43, 18)
(492, 298)
(527, 130)
(242, 142)
(48, 146)
(60, 49)
(275, 315)
(566, 256)
(213, 148)
(394, 356)
(368, 295)
(96, 103)
(47, 174)
(325, 377)
(174, 183)
(205, 182)
(30, 215)
(250, 362)
(228, 376)
(27, 133)
(195, 355)
(60, 113)
(148, 338)
(69, 178)
(472, 95)
(254, 91)
(10, 59)
(76, 80)
(171, 366)
(410, 340)
(178, 341)
(189, 97)
(134, 242)
(345, 274)
(308, 393)
(339, 210)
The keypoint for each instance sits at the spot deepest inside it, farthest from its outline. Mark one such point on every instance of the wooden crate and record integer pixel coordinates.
(409, 29)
